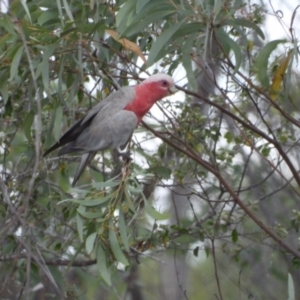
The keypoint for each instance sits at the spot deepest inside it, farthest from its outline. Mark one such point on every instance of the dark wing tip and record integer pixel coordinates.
(55, 146)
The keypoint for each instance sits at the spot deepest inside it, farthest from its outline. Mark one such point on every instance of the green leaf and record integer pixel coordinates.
(101, 185)
(79, 222)
(161, 171)
(48, 15)
(140, 4)
(261, 62)
(45, 75)
(92, 202)
(161, 41)
(265, 151)
(101, 265)
(227, 42)
(91, 215)
(123, 228)
(15, 62)
(138, 26)
(58, 122)
(8, 25)
(207, 251)
(187, 29)
(150, 13)
(23, 2)
(68, 10)
(187, 61)
(234, 236)
(43, 67)
(291, 288)
(27, 125)
(154, 213)
(296, 262)
(128, 200)
(229, 136)
(90, 242)
(123, 13)
(115, 247)
(4, 88)
(244, 23)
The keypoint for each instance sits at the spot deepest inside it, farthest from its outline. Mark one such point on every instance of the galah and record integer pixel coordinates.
(110, 124)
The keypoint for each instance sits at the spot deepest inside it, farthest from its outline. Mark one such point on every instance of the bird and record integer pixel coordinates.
(110, 124)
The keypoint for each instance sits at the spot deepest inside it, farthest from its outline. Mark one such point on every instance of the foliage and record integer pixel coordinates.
(227, 155)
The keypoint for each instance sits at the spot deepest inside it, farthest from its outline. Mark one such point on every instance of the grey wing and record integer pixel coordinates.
(105, 109)
(111, 132)
(113, 103)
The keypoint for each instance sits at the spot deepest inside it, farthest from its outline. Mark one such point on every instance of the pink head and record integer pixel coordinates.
(160, 85)
(149, 91)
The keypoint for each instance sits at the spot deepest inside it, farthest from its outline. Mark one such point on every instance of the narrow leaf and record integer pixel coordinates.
(261, 62)
(279, 75)
(90, 242)
(137, 26)
(127, 44)
(140, 4)
(154, 213)
(93, 202)
(79, 222)
(115, 247)
(101, 265)
(90, 215)
(187, 61)
(23, 2)
(48, 52)
(122, 228)
(161, 41)
(105, 184)
(226, 41)
(160, 171)
(15, 62)
(58, 121)
(68, 10)
(244, 23)
(291, 288)
(234, 236)
(124, 12)
(27, 125)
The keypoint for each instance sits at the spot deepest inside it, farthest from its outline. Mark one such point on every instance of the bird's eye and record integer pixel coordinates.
(165, 83)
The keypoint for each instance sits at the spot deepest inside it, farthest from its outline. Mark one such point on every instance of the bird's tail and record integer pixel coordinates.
(85, 160)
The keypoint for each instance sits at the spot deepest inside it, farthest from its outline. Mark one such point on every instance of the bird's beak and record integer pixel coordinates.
(173, 90)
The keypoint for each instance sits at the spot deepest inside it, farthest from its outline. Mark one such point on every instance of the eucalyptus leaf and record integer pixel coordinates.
(187, 61)
(226, 42)
(140, 4)
(79, 222)
(115, 246)
(261, 62)
(291, 288)
(244, 23)
(123, 229)
(92, 202)
(28, 121)
(102, 265)
(90, 242)
(106, 184)
(91, 215)
(15, 62)
(154, 213)
(58, 122)
(161, 41)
